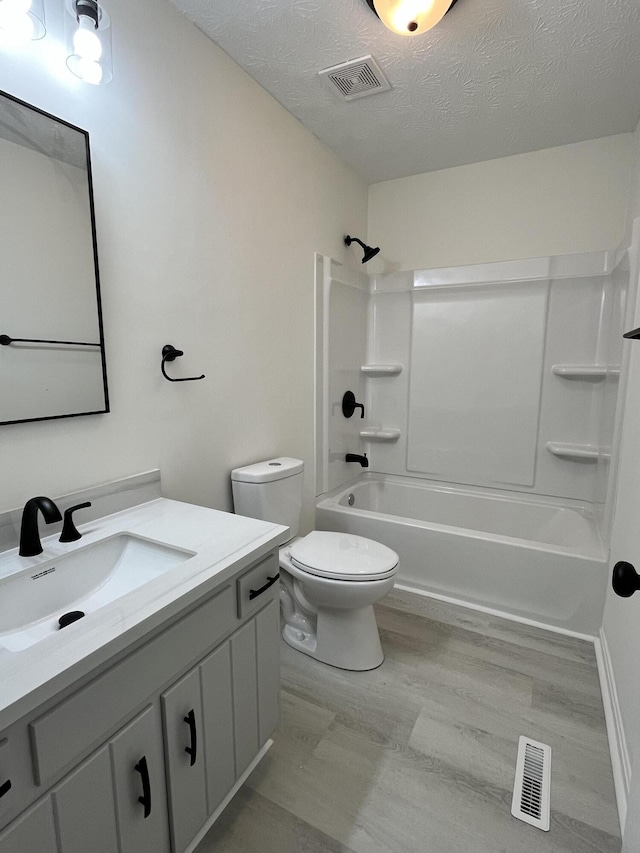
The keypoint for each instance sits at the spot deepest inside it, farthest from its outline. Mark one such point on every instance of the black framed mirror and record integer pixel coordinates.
(52, 359)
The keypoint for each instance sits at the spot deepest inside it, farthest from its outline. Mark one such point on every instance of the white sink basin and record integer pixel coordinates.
(32, 600)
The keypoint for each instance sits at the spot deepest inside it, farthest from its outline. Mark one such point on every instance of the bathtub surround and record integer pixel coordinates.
(508, 340)
(490, 394)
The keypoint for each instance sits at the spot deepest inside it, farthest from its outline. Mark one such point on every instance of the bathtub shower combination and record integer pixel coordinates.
(488, 428)
(538, 561)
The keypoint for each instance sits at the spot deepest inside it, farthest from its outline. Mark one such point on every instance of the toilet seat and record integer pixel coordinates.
(343, 556)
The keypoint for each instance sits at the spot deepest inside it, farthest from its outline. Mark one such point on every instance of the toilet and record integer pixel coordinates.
(329, 582)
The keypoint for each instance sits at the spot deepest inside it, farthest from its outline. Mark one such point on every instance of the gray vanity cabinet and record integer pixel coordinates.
(85, 807)
(98, 808)
(34, 830)
(138, 774)
(218, 730)
(182, 719)
(140, 759)
(226, 708)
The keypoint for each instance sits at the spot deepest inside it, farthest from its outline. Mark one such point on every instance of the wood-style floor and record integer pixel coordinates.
(419, 755)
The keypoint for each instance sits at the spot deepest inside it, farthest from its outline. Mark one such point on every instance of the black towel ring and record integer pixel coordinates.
(170, 353)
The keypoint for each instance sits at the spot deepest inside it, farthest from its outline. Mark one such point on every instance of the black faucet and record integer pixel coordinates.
(354, 457)
(29, 536)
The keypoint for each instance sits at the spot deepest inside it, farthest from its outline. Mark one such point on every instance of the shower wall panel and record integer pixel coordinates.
(341, 333)
(476, 369)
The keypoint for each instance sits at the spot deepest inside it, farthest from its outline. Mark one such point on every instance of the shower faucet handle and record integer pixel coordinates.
(349, 405)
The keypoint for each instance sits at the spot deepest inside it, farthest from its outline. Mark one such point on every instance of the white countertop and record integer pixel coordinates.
(223, 545)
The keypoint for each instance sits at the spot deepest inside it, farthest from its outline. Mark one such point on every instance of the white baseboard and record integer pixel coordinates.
(243, 778)
(620, 760)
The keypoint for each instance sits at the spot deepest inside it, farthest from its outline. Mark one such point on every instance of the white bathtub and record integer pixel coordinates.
(530, 559)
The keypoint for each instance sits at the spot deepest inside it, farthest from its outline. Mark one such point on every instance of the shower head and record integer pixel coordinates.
(369, 251)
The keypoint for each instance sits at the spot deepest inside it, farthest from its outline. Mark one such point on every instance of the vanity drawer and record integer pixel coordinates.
(65, 734)
(257, 586)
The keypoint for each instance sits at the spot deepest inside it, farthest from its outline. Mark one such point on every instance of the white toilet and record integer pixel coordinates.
(329, 581)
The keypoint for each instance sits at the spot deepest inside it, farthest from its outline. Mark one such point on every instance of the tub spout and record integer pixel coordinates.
(355, 457)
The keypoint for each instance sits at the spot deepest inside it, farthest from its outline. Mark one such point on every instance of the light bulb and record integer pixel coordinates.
(86, 41)
(86, 69)
(411, 17)
(15, 21)
(16, 7)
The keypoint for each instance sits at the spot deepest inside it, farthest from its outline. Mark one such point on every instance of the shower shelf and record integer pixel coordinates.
(380, 434)
(584, 452)
(585, 371)
(381, 369)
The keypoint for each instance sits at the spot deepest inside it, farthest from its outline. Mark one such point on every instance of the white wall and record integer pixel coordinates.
(210, 202)
(553, 202)
(621, 625)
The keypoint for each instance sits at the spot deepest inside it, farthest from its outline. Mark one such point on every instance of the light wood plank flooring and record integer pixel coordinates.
(419, 755)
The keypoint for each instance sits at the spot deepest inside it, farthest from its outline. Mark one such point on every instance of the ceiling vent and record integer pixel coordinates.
(357, 78)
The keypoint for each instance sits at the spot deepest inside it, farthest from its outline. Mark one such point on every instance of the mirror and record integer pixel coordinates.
(52, 362)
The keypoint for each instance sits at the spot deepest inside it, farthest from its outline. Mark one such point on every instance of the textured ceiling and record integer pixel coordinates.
(495, 77)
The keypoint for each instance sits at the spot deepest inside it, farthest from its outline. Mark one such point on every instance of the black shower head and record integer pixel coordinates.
(369, 251)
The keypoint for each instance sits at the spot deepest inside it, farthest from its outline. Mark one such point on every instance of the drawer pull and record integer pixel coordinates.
(193, 749)
(145, 799)
(4, 789)
(254, 593)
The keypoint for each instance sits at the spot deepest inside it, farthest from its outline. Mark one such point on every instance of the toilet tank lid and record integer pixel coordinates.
(266, 472)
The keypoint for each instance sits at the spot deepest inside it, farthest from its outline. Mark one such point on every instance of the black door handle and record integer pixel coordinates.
(193, 749)
(625, 580)
(5, 788)
(145, 799)
(254, 593)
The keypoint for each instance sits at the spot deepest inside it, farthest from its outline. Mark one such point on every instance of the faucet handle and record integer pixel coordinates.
(69, 532)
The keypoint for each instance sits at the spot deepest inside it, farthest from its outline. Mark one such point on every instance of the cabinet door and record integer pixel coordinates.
(268, 663)
(85, 809)
(184, 749)
(217, 708)
(245, 695)
(138, 772)
(33, 831)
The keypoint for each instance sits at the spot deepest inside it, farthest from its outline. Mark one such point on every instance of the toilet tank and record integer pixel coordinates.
(271, 491)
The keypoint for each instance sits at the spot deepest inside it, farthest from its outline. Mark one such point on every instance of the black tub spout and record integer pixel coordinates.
(355, 457)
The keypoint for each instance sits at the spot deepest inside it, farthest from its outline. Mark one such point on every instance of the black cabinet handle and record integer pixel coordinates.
(145, 799)
(625, 580)
(5, 788)
(193, 749)
(254, 593)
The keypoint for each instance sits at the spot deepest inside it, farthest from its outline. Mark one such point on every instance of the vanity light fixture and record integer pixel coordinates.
(88, 38)
(22, 20)
(410, 17)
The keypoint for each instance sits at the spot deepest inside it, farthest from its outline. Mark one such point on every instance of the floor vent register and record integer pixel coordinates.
(532, 788)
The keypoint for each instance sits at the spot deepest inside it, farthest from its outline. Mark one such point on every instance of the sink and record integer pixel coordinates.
(32, 600)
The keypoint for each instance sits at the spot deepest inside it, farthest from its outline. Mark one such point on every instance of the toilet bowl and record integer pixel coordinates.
(329, 582)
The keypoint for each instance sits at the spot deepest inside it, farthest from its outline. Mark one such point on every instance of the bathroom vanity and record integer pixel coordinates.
(130, 729)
